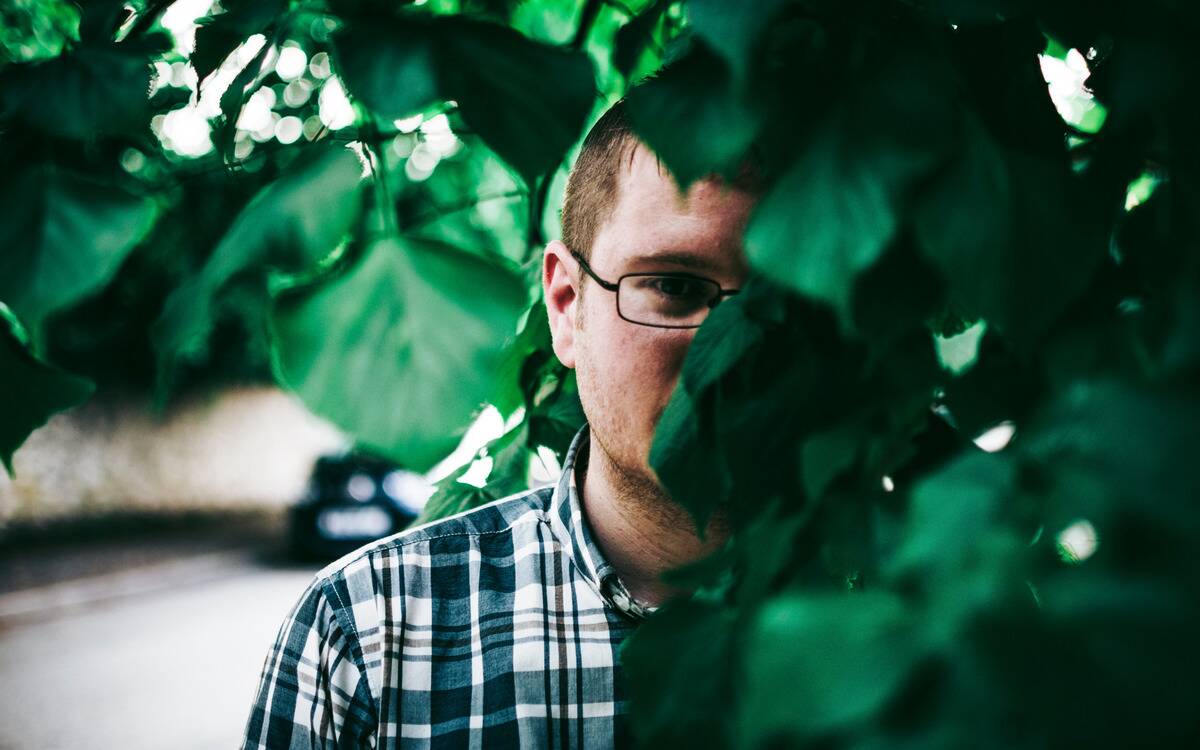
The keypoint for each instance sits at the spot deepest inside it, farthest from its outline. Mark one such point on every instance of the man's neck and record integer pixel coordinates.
(640, 530)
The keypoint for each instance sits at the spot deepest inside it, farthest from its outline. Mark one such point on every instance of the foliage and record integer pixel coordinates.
(944, 255)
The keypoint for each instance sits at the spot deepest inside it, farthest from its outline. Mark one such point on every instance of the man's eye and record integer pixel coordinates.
(672, 286)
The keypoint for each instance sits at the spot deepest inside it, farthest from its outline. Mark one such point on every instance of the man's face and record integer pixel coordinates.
(626, 372)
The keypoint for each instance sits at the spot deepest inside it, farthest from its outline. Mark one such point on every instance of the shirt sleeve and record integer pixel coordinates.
(314, 691)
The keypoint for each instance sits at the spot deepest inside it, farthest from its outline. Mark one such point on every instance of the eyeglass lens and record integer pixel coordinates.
(671, 301)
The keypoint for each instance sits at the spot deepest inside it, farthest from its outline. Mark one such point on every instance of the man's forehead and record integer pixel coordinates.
(644, 177)
(652, 218)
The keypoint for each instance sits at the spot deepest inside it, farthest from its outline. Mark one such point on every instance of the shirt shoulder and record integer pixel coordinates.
(359, 582)
(497, 517)
(334, 634)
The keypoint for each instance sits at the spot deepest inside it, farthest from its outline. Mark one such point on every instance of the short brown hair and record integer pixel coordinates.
(592, 187)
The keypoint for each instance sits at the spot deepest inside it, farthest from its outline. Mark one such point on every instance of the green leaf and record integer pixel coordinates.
(635, 36)
(687, 454)
(218, 36)
(1004, 228)
(527, 100)
(64, 237)
(734, 30)
(691, 118)
(833, 213)
(827, 455)
(234, 98)
(471, 201)
(451, 497)
(390, 67)
(31, 391)
(97, 90)
(554, 420)
(764, 370)
(100, 19)
(815, 665)
(964, 544)
(510, 456)
(403, 348)
(677, 665)
(1124, 440)
(291, 224)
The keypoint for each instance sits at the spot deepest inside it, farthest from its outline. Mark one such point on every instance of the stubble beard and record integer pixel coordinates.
(638, 493)
(623, 458)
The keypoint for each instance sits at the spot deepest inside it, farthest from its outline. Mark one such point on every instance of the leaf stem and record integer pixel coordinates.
(377, 159)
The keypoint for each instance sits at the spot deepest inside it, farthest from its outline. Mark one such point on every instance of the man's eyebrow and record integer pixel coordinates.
(687, 260)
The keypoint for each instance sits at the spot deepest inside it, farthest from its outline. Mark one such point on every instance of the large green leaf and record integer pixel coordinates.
(691, 117)
(403, 348)
(526, 99)
(31, 391)
(291, 224)
(763, 371)
(472, 200)
(63, 236)
(91, 91)
(688, 454)
(1004, 228)
(816, 664)
(735, 30)
(391, 67)
(677, 662)
(831, 216)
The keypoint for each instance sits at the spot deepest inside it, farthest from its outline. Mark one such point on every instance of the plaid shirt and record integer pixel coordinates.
(497, 627)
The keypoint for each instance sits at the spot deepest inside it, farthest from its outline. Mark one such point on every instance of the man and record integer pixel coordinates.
(501, 626)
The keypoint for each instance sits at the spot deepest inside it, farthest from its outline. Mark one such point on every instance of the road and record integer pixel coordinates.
(163, 656)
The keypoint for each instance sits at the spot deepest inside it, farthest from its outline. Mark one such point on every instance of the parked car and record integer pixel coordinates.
(353, 499)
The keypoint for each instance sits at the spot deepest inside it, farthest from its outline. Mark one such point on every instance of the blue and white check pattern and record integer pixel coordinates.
(498, 627)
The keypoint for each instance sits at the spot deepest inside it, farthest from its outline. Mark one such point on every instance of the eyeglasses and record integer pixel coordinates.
(662, 300)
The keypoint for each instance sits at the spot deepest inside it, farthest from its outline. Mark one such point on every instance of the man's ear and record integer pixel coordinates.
(560, 290)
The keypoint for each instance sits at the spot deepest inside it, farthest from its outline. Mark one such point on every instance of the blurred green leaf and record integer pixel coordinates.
(234, 99)
(473, 202)
(837, 208)
(101, 19)
(675, 662)
(31, 391)
(452, 496)
(527, 100)
(64, 235)
(735, 31)
(1003, 227)
(636, 35)
(817, 664)
(290, 225)
(690, 116)
(414, 326)
(827, 455)
(97, 90)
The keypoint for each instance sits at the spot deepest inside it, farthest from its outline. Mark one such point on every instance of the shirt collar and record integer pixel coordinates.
(571, 527)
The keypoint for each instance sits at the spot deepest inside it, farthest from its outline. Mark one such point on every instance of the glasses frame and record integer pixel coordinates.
(615, 287)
